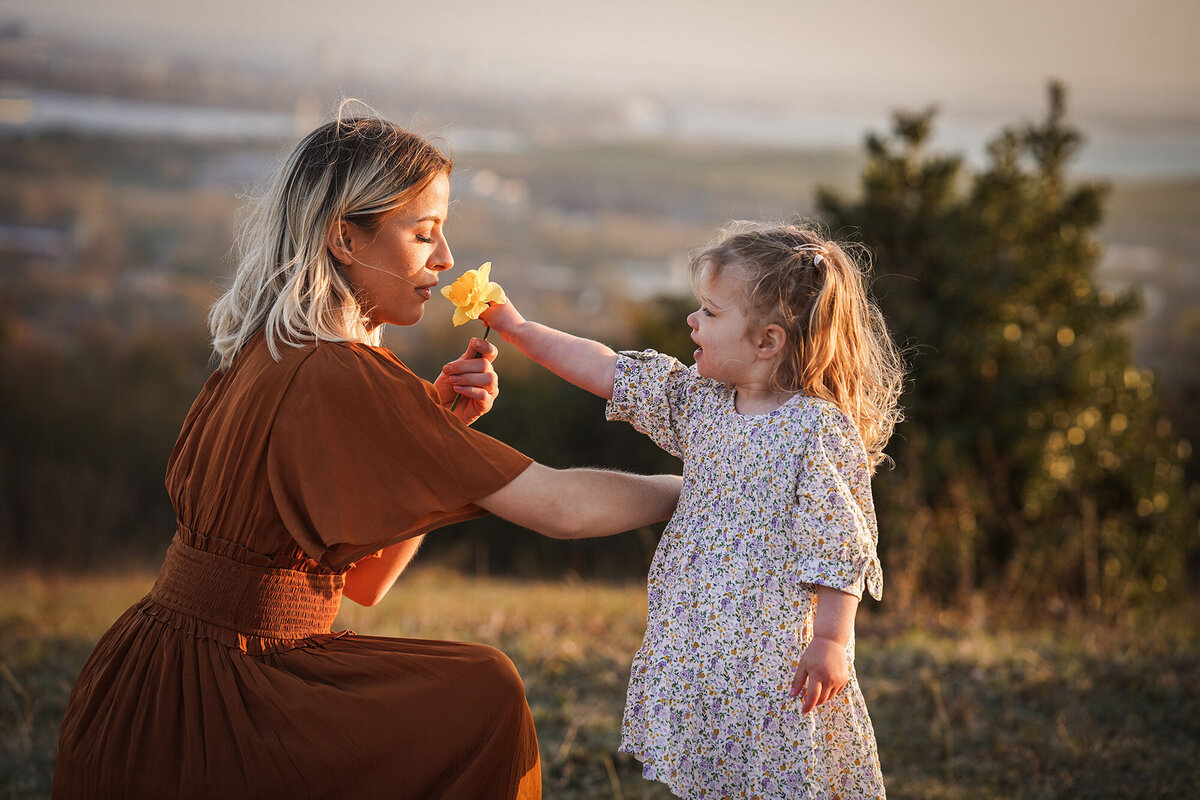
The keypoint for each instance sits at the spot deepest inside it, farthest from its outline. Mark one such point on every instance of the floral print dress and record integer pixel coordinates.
(772, 506)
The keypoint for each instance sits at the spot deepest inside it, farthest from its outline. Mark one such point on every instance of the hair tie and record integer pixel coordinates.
(819, 251)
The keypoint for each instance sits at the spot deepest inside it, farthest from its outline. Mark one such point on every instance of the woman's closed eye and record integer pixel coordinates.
(423, 238)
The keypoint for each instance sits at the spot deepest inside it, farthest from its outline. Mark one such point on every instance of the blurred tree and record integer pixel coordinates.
(1033, 462)
(662, 326)
(84, 438)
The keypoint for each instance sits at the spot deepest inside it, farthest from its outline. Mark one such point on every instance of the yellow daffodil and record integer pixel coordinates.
(472, 293)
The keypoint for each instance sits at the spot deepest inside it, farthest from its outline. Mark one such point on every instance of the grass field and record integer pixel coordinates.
(962, 709)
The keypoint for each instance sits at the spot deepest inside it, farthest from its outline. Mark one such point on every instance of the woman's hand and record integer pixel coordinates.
(824, 671)
(471, 377)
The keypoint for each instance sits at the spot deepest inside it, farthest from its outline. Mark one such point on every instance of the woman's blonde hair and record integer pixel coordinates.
(287, 282)
(837, 346)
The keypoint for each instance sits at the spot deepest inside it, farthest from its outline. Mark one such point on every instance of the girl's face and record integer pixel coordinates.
(726, 351)
(395, 270)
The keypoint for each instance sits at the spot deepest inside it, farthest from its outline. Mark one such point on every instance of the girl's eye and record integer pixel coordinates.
(704, 310)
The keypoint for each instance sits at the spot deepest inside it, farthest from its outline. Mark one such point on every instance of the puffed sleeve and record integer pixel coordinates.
(361, 456)
(658, 395)
(836, 529)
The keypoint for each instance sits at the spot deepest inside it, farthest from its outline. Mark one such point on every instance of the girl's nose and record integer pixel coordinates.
(691, 320)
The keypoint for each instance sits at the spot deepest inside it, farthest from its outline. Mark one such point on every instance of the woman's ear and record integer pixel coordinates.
(337, 239)
(770, 341)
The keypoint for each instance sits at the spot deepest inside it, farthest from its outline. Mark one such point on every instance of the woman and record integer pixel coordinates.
(310, 466)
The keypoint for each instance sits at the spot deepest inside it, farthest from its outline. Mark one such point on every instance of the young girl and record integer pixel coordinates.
(744, 685)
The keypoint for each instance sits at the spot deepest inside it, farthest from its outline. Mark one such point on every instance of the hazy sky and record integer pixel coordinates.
(1119, 58)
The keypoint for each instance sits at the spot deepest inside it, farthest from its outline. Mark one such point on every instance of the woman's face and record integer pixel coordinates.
(394, 271)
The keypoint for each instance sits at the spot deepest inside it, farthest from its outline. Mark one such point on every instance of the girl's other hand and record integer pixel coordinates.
(471, 377)
(824, 670)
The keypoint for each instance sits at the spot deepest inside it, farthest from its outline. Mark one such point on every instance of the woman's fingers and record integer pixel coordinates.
(480, 393)
(477, 358)
(483, 378)
(479, 348)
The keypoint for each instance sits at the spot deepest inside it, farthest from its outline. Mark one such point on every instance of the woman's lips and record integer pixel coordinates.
(426, 292)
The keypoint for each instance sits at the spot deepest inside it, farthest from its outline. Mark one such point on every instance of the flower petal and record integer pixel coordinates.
(472, 293)
(495, 295)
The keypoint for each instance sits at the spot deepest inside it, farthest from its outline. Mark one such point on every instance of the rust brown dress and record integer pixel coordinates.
(226, 681)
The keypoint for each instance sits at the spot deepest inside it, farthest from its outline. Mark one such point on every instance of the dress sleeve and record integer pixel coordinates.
(361, 456)
(836, 528)
(657, 395)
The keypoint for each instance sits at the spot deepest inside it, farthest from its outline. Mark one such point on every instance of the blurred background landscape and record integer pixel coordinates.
(1036, 248)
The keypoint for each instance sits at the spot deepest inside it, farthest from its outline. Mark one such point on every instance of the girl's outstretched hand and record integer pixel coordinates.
(503, 318)
(471, 377)
(824, 670)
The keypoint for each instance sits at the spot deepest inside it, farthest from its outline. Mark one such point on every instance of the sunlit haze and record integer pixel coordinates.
(1130, 60)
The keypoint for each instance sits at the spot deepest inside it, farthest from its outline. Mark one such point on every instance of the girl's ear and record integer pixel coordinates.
(337, 239)
(770, 341)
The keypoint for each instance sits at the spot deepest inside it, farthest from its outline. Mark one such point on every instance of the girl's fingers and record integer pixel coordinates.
(798, 681)
(811, 695)
(829, 693)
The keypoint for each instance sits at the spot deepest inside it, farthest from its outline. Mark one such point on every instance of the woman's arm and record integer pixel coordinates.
(371, 578)
(562, 504)
(583, 503)
(587, 364)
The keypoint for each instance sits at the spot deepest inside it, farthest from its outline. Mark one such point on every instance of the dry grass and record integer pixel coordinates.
(961, 710)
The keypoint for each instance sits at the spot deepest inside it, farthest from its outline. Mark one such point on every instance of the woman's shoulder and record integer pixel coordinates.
(349, 373)
(324, 359)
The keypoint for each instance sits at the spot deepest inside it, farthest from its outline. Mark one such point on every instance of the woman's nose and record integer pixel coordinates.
(443, 259)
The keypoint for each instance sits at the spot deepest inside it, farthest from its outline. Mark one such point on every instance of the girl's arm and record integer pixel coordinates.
(583, 503)
(824, 668)
(587, 364)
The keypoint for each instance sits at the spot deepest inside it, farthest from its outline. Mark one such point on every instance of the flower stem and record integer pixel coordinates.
(486, 330)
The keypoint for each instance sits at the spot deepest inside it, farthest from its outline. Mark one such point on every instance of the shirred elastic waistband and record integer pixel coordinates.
(256, 601)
